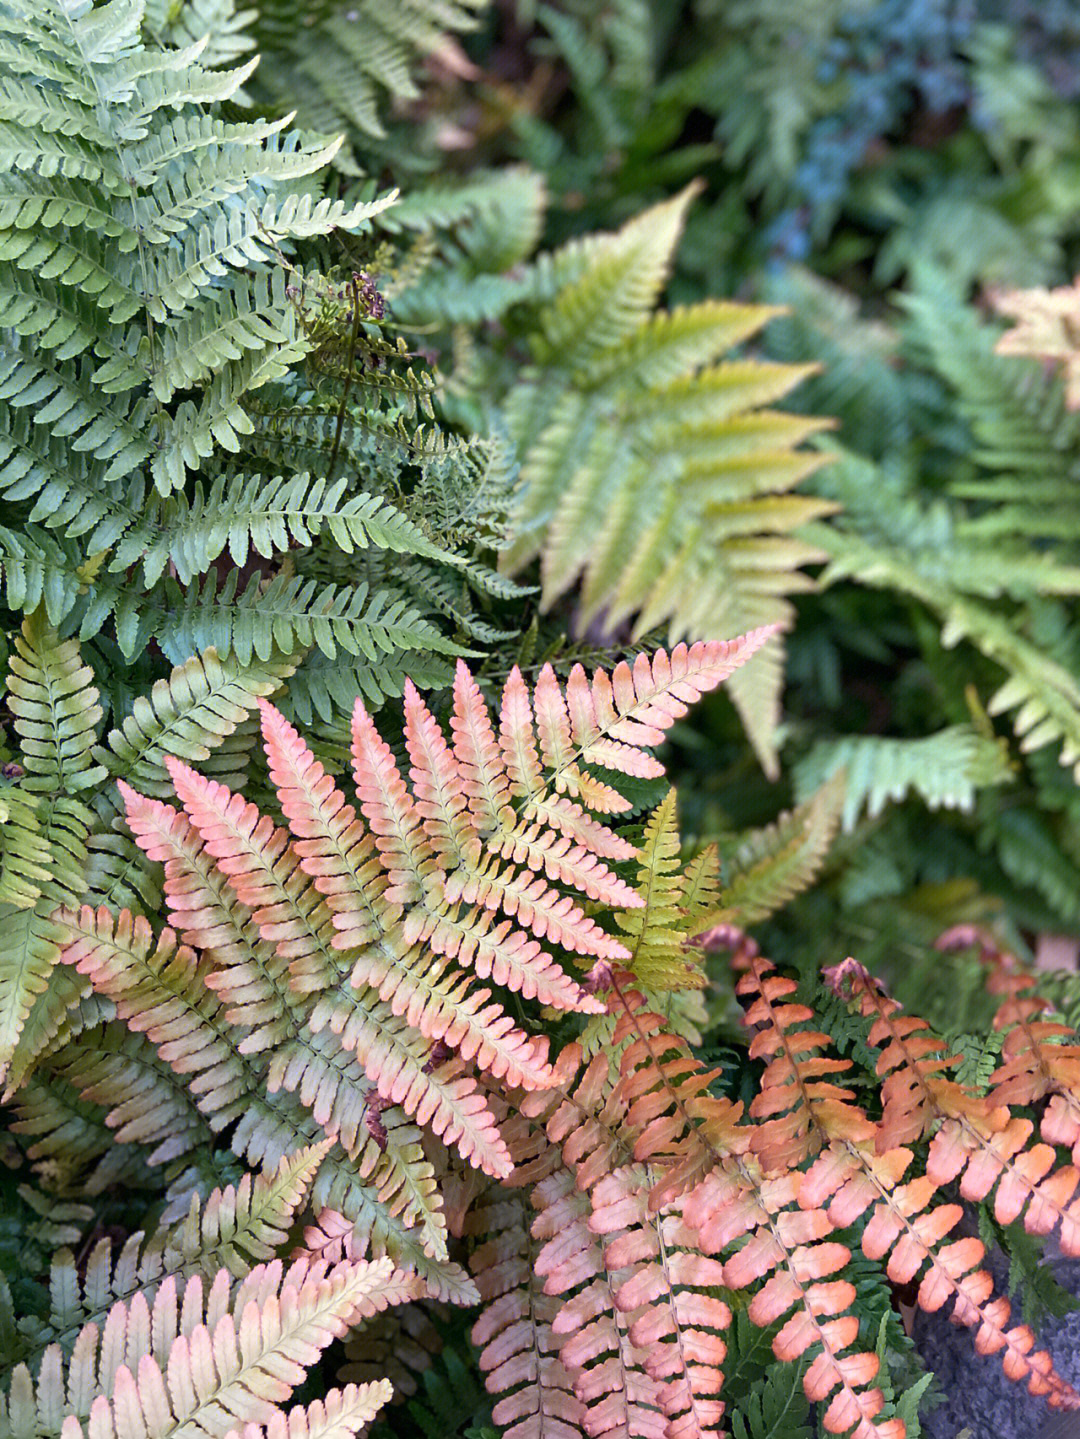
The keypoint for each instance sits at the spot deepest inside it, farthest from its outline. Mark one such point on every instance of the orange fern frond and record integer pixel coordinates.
(1037, 1061)
(977, 1141)
(661, 1172)
(786, 1248)
(800, 1111)
(907, 1225)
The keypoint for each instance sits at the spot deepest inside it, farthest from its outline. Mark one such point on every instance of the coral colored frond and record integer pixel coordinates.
(977, 1141)
(799, 1108)
(1037, 1058)
(165, 992)
(334, 847)
(638, 1251)
(519, 1355)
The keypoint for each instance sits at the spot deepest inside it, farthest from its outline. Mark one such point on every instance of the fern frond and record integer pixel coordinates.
(343, 1411)
(622, 1188)
(140, 239)
(291, 614)
(234, 1359)
(55, 708)
(55, 711)
(865, 546)
(801, 1110)
(236, 1228)
(161, 990)
(193, 715)
(518, 1350)
(253, 513)
(660, 958)
(1035, 1062)
(651, 474)
(946, 770)
(772, 865)
(352, 62)
(983, 1146)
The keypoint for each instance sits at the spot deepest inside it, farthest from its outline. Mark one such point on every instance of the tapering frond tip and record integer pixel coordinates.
(743, 647)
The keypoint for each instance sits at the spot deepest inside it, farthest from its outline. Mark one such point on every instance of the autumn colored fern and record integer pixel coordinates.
(330, 967)
(652, 1197)
(344, 999)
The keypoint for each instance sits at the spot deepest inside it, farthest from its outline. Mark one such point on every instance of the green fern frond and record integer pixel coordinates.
(225, 29)
(343, 66)
(55, 708)
(888, 540)
(652, 476)
(253, 513)
(660, 959)
(141, 241)
(55, 711)
(324, 689)
(194, 714)
(292, 614)
(946, 770)
(1025, 438)
(771, 866)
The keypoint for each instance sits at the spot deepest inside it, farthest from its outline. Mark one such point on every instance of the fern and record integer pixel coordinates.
(237, 1228)
(345, 65)
(235, 1357)
(45, 834)
(946, 770)
(154, 306)
(960, 593)
(1043, 329)
(769, 867)
(678, 514)
(338, 957)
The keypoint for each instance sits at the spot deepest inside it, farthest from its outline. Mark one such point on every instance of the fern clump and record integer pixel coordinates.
(382, 1037)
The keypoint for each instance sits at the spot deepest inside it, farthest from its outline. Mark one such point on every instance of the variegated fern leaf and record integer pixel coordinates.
(335, 975)
(214, 1358)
